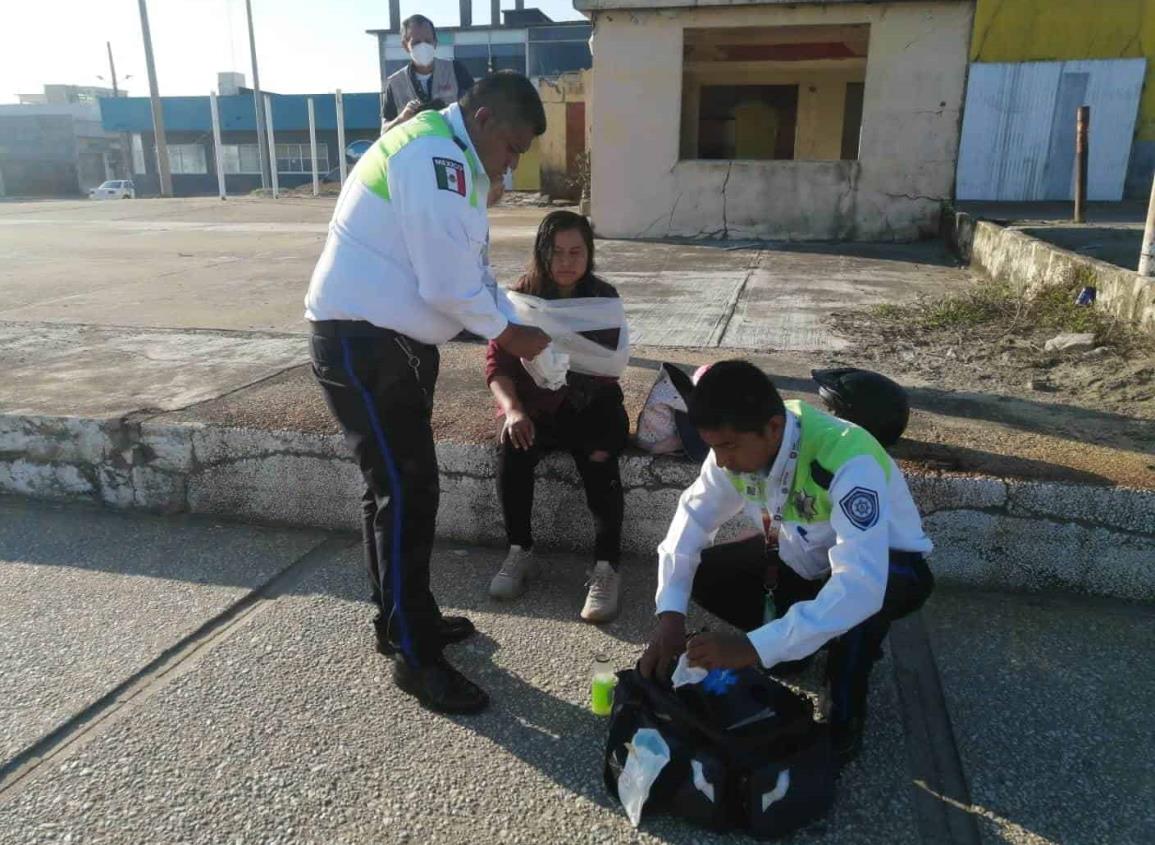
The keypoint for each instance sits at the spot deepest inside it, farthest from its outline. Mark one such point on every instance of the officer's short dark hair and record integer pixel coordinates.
(510, 96)
(417, 20)
(735, 395)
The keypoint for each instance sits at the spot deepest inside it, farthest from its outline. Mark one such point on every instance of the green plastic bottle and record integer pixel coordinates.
(602, 688)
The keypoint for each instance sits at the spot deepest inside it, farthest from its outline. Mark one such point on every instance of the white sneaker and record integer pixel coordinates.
(519, 567)
(603, 599)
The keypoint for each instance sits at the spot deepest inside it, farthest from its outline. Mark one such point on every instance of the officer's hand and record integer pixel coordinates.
(518, 429)
(523, 341)
(668, 641)
(410, 109)
(721, 651)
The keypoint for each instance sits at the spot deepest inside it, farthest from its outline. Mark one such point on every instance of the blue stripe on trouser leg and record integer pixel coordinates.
(394, 562)
(853, 646)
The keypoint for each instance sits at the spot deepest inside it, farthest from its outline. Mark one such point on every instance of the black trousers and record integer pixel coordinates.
(730, 583)
(599, 426)
(379, 386)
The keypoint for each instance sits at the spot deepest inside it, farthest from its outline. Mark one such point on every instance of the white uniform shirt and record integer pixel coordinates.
(418, 262)
(856, 558)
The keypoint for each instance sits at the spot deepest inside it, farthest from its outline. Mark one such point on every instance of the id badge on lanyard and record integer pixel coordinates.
(772, 511)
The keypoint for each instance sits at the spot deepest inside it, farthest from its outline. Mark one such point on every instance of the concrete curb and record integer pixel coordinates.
(1027, 263)
(989, 532)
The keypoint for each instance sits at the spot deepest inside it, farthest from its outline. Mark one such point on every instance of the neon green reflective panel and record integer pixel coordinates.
(373, 168)
(827, 442)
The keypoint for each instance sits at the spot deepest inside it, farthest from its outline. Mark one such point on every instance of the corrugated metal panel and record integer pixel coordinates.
(1018, 128)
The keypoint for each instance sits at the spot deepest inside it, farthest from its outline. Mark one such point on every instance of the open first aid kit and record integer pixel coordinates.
(733, 750)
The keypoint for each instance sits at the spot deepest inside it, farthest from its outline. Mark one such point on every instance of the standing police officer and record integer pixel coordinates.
(405, 268)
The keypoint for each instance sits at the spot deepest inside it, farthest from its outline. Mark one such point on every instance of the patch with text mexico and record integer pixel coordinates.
(861, 507)
(450, 175)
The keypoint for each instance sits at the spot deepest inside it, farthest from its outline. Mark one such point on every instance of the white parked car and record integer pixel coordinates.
(114, 189)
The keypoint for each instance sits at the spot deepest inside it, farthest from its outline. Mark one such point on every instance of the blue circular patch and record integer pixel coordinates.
(861, 507)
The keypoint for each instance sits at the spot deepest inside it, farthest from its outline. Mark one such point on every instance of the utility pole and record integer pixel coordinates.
(163, 171)
(258, 101)
(112, 69)
(125, 152)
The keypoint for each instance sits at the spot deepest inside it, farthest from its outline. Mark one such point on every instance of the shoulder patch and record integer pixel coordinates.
(450, 175)
(861, 507)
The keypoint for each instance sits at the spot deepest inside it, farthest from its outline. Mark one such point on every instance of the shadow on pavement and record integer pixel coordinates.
(947, 458)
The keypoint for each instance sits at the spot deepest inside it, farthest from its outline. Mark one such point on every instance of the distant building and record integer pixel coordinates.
(189, 134)
(777, 119)
(1033, 63)
(53, 144)
(59, 95)
(527, 41)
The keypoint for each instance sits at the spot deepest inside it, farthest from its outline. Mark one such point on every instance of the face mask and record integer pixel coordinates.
(423, 54)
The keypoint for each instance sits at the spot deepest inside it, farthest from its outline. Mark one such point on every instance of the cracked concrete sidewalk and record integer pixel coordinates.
(188, 679)
(162, 365)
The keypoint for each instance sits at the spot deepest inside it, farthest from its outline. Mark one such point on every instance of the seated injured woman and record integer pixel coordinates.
(568, 398)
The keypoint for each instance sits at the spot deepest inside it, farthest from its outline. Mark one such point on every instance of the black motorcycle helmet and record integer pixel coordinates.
(865, 398)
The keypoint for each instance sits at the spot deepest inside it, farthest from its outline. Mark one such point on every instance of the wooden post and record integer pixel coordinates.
(1082, 124)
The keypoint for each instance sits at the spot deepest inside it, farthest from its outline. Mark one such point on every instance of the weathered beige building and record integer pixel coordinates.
(782, 120)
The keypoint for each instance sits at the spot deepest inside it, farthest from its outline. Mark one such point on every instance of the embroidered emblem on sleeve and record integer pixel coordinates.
(861, 507)
(450, 175)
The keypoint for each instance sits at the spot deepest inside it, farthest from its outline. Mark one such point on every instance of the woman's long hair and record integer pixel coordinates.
(537, 281)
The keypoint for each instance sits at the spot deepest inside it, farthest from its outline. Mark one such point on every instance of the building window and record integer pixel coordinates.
(766, 93)
(187, 158)
(291, 158)
(559, 49)
(240, 158)
(747, 121)
(295, 158)
(475, 57)
(508, 57)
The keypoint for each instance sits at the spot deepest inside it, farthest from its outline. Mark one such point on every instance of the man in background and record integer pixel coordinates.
(425, 80)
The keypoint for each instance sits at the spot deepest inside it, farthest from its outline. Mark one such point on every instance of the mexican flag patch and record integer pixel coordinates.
(450, 175)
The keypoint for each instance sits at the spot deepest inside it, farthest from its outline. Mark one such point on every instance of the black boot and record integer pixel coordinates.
(450, 629)
(440, 687)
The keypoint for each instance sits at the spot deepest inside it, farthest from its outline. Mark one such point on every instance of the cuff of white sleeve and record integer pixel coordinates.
(767, 645)
(488, 327)
(673, 600)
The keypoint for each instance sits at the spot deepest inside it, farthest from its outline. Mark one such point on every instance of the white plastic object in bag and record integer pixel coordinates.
(564, 319)
(684, 673)
(781, 787)
(700, 783)
(548, 369)
(648, 755)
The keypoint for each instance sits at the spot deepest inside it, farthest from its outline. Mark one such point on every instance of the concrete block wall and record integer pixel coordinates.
(989, 532)
(1027, 263)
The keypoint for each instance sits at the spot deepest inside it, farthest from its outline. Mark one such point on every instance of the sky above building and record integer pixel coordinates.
(302, 46)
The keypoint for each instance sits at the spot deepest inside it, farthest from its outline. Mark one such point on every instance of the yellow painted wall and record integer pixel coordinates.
(527, 177)
(1051, 30)
(555, 93)
(821, 100)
